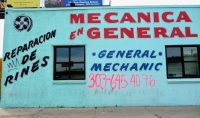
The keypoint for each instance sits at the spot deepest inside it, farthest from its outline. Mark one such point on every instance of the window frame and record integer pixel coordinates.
(70, 72)
(182, 60)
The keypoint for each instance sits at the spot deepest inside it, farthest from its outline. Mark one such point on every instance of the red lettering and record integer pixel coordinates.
(149, 81)
(72, 35)
(183, 16)
(188, 33)
(93, 33)
(93, 18)
(136, 80)
(118, 81)
(176, 32)
(145, 17)
(124, 80)
(97, 77)
(80, 31)
(105, 79)
(142, 32)
(160, 31)
(146, 78)
(92, 78)
(109, 33)
(128, 32)
(156, 17)
(112, 82)
(76, 18)
(108, 19)
(127, 17)
(164, 17)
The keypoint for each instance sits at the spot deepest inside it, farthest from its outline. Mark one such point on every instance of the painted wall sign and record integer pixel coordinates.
(139, 32)
(129, 65)
(120, 81)
(31, 44)
(129, 54)
(122, 53)
(23, 22)
(25, 71)
(15, 64)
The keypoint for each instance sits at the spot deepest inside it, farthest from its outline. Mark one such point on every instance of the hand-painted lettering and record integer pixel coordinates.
(94, 18)
(166, 16)
(27, 69)
(27, 57)
(76, 18)
(120, 81)
(93, 33)
(29, 45)
(108, 19)
(73, 33)
(132, 32)
(128, 54)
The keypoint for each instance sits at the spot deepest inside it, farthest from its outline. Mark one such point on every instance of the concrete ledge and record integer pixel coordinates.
(180, 81)
(60, 82)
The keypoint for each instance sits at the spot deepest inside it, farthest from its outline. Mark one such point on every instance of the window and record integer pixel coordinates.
(182, 61)
(69, 63)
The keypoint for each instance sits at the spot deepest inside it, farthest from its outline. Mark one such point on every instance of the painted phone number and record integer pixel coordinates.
(118, 81)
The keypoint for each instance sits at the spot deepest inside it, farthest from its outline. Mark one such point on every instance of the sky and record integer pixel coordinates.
(120, 3)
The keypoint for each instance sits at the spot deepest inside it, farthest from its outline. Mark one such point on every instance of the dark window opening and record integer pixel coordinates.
(182, 61)
(69, 63)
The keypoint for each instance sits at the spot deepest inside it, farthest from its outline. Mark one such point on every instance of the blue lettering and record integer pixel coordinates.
(124, 66)
(128, 54)
(145, 54)
(144, 66)
(110, 54)
(151, 66)
(152, 54)
(96, 67)
(156, 67)
(134, 66)
(116, 64)
(102, 53)
(120, 53)
(137, 53)
(107, 67)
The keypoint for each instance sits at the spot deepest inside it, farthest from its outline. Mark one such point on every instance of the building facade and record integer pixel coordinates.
(101, 56)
